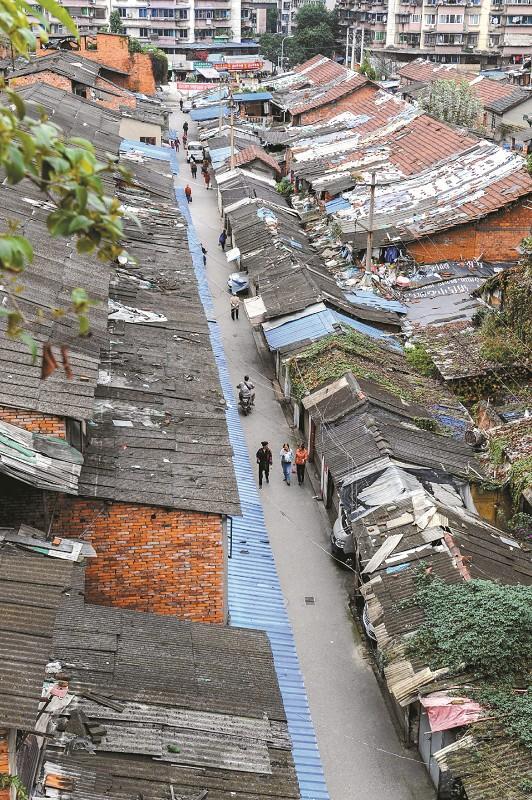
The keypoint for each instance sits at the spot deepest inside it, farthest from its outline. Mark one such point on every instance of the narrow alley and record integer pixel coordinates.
(361, 753)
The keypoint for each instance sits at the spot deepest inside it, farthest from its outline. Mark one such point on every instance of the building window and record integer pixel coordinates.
(122, 12)
(473, 19)
(143, 13)
(415, 17)
(148, 139)
(430, 19)
(472, 40)
(451, 19)
(183, 33)
(379, 36)
(143, 33)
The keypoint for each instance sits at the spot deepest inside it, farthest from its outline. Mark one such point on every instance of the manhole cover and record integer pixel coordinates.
(310, 601)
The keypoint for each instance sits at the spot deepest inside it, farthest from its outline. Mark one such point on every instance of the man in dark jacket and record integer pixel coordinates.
(264, 459)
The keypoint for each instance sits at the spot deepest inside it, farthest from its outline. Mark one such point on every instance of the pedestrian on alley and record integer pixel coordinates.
(181, 104)
(235, 306)
(207, 179)
(204, 256)
(301, 459)
(264, 460)
(185, 140)
(222, 240)
(185, 128)
(193, 168)
(176, 143)
(188, 193)
(287, 457)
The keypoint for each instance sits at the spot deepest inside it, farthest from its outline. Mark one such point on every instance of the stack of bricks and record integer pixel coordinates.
(34, 421)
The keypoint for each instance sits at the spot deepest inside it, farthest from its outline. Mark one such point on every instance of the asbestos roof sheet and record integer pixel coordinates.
(159, 434)
(313, 327)
(199, 707)
(31, 589)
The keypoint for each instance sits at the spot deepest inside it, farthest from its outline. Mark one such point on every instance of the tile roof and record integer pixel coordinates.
(252, 153)
(458, 189)
(329, 94)
(69, 64)
(315, 83)
(31, 591)
(428, 71)
(162, 703)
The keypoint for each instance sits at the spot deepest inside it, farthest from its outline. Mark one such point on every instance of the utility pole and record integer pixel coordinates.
(362, 45)
(232, 110)
(347, 47)
(367, 279)
(353, 44)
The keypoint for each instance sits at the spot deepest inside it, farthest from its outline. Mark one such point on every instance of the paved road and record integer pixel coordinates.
(361, 754)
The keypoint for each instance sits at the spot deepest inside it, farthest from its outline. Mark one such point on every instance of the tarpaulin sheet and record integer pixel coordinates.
(445, 712)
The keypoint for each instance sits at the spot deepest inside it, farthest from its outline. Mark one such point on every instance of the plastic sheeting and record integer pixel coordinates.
(445, 712)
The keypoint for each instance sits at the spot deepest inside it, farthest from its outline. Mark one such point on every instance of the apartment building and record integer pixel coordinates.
(166, 23)
(481, 32)
(287, 10)
(254, 15)
(90, 16)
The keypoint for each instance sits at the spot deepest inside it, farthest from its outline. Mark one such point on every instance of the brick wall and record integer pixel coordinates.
(325, 112)
(117, 98)
(59, 81)
(112, 51)
(149, 558)
(34, 421)
(495, 238)
(4, 761)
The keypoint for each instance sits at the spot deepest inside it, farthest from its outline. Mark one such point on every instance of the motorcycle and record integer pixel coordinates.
(245, 404)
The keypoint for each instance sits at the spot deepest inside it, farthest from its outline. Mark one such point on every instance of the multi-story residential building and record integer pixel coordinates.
(90, 16)
(166, 23)
(482, 32)
(254, 17)
(287, 10)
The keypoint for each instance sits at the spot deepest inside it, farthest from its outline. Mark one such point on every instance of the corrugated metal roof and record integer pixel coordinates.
(210, 112)
(255, 596)
(376, 301)
(247, 96)
(338, 204)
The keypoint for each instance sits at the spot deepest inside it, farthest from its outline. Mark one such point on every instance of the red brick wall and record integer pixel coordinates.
(149, 558)
(59, 81)
(34, 421)
(4, 761)
(117, 98)
(325, 112)
(141, 74)
(495, 238)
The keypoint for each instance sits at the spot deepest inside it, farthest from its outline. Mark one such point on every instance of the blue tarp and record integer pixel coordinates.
(375, 301)
(338, 204)
(243, 97)
(210, 112)
(316, 326)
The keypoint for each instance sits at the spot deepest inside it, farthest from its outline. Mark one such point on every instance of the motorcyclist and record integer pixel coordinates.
(246, 389)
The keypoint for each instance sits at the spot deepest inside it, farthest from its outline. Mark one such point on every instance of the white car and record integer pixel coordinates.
(195, 152)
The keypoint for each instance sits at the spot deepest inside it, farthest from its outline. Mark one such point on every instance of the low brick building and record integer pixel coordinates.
(132, 452)
(110, 50)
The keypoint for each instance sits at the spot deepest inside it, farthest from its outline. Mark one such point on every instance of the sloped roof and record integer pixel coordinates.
(253, 153)
(159, 433)
(428, 71)
(315, 83)
(461, 188)
(69, 64)
(31, 590)
(329, 94)
(166, 703)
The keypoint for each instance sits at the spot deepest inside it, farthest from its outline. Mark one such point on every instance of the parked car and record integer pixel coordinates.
(195, 152)
(188, 105)
(342, 538)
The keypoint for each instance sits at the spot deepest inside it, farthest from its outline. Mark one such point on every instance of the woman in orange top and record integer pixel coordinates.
(301, 460)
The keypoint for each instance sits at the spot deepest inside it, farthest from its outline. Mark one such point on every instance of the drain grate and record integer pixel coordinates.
(310, 601)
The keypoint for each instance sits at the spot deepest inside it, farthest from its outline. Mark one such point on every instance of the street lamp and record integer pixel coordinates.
(282, 50)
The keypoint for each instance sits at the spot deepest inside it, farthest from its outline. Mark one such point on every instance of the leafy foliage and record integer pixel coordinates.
(499, 341)
(115, 22)
(315, 34)
(71, 180)
(285, 187)
(367, 69)
(453, 102)
(520, 477)
(17, 27)
(419, 359)
(13, 782)
(271, 20)
(159, 63)
(482, 629)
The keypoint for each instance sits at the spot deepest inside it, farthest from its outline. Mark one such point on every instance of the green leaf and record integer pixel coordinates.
(81, 197)
(61, 15)
(79, 223)
(84, 325)
(18, 102)
(14, 165)
(84, 143)
(30, 342)
(84, 245)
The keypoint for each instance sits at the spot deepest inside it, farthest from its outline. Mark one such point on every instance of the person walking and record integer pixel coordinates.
(235, 305)
(222, 240)
(204, 256)
(185, 128)
(185, 140)
(181, 104)
(287, 457)
(301, 459)
(188, 193)
(264, 460)
(193, 168)
(207, 179)
(176, 143)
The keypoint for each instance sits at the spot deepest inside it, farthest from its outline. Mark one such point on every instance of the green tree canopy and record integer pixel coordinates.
(310, 42)
(115, 22)
(453, 102)
(271, 20)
